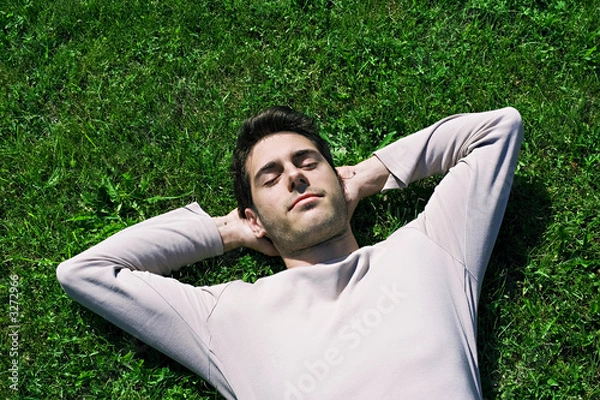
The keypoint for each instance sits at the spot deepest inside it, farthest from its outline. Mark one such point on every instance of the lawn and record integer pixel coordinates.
(113, 111)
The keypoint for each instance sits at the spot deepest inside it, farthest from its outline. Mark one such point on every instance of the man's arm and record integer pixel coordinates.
(477, 153)
(363, 180)
(235, 232)
(121, 280)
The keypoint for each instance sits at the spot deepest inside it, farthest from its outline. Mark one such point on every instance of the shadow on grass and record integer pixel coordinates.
(527, 216)
(149, 367)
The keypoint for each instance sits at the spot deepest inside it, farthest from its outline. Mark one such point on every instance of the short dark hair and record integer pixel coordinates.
(271, 121)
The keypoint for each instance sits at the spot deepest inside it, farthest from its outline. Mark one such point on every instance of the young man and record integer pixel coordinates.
(396, 320)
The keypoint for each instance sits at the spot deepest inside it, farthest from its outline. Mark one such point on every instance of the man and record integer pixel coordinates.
(396, 320)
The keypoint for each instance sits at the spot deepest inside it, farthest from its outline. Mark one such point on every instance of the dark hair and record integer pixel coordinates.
(271, 121)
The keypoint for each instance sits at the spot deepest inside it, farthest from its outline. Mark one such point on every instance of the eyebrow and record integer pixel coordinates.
(265, 169)
(298, 154)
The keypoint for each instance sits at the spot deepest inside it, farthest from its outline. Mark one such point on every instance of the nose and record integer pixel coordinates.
(297, 181)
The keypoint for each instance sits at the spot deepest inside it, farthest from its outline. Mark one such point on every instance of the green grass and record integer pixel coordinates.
(114, 111)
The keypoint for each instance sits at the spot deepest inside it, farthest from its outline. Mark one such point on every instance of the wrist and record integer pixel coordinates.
(229, 235)
(372, 175)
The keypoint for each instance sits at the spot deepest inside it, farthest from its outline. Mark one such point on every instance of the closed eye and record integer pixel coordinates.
(271, 181)
(307, 159)
(310, 165)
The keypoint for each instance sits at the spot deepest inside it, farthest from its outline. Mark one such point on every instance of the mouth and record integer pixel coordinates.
(304, 199)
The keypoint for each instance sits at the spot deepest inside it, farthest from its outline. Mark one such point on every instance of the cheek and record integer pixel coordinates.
(335, 184)
(265, 199)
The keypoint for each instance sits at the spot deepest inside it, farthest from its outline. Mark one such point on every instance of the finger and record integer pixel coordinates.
(346, 173)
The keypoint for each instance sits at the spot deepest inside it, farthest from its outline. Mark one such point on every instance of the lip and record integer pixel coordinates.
(304, 197)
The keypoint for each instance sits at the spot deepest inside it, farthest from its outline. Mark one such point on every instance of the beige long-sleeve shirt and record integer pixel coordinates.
(396, 320)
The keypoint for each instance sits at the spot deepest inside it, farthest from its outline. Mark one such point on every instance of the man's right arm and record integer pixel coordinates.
(122, 279)
(235, 232)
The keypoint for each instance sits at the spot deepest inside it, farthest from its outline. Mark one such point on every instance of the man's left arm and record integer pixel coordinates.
(362, 180)
(477, 153)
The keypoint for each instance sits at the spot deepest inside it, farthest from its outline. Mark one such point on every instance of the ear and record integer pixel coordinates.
(343, 185)
(255, 223)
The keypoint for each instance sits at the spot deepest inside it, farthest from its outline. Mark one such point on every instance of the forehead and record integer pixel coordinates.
(277, 146)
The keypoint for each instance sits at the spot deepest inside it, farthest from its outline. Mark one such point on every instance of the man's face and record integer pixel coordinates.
(298, 197)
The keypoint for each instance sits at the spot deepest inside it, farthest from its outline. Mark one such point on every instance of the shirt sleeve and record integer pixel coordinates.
(122, 279)
(478, 154)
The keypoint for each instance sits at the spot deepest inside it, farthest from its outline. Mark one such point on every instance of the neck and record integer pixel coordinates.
(336, 247)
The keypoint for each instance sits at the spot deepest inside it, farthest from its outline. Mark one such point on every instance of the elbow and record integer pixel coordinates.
(62, 273)
(512, 114)
(514, 120)
(66, 273)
